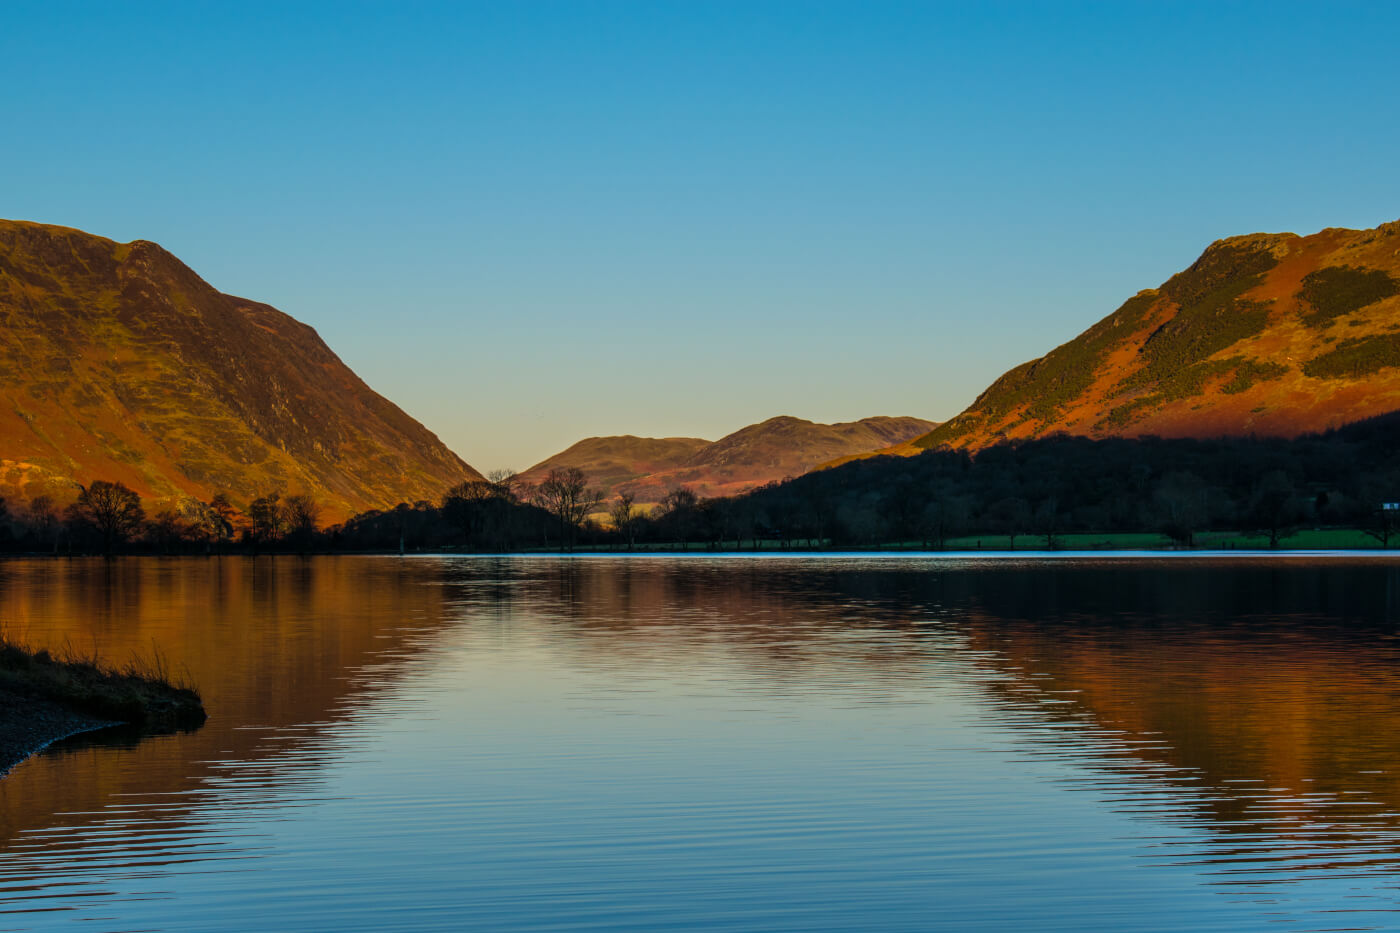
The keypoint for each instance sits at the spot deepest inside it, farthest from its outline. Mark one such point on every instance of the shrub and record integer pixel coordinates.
(1355, 358)
(1339, 290)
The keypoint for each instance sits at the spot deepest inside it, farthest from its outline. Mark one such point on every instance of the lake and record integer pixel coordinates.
(826, 742)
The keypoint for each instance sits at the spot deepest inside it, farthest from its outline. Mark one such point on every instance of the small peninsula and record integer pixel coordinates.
(44, 699)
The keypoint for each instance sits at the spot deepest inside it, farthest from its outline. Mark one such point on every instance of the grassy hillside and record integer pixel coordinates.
(1266, 334)
(118, 362)
(759, 453)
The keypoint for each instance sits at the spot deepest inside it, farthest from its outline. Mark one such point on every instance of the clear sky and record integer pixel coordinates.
(531, 222)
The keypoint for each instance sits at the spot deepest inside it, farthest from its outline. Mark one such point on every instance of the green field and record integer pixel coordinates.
(1308, 539)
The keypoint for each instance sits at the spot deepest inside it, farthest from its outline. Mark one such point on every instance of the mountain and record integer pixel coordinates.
(1265, 334)
(760, 453)
(118, 362)
(610, 462)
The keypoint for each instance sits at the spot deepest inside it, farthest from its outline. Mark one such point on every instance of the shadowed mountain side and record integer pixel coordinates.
(1265, 334)
(118, 362)
(750, 457)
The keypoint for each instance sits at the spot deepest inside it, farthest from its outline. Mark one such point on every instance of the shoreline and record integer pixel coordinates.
(45, 699)
(834, 551)
(29, 725)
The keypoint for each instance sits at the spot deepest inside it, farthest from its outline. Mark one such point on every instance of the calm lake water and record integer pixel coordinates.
(724, 743)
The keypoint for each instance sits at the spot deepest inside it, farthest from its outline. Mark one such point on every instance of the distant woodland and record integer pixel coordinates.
(1030, 493)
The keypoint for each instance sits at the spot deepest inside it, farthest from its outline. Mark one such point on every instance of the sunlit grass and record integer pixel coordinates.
(143, 692)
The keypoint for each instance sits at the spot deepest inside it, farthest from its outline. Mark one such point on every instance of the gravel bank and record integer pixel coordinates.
(29, 724)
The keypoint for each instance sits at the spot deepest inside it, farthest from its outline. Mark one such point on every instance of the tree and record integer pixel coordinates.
(901, 506)
(167, 529)
(1182, 499)
(465, 504)
(222, 514)
(624, 517)
(267, 521)
(678, 512)
(1010, 516)
(201, 523)
(113, 509)
(507, 483)
(1047, 520)
(1274, 506)
(302, 515)
(1382, 525)
(817, 498)
(43, 520)
(565, 494)
(943, 516)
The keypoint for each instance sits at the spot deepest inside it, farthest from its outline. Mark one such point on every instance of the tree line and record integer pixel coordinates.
(498, 513)
(109, 517)
(1037, 491)
(1058, 485)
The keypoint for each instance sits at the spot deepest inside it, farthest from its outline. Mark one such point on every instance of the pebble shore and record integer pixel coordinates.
(29, 725)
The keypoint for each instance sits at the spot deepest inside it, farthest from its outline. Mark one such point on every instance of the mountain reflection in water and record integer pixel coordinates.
(709, 743)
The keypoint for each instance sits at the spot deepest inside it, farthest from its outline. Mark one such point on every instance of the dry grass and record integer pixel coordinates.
(143, 692)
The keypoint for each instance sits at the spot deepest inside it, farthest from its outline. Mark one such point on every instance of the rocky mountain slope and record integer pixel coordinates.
(118, 362)
(1266, 334)
(757, 454)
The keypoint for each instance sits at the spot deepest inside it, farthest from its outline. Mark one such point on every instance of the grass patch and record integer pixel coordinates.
(1341, 539)
(143, 692)
(1338, 290)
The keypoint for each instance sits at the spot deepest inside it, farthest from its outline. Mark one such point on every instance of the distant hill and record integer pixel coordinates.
(760, 453)
(1265, 334)
(610, 462)
(118, 362)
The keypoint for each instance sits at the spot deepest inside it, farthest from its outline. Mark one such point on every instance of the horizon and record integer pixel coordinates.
(601, 219)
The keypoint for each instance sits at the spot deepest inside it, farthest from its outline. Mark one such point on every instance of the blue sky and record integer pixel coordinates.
(527, 223)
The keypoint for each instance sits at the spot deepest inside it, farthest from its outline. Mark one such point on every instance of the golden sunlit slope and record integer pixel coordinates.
(118, 362)
(609, 462)
(1267, 334)
(754, 455)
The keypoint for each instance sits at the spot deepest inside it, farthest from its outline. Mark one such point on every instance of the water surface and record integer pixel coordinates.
(781, 743)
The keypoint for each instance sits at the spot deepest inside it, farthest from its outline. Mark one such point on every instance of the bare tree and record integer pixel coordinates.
(167, 529)
(507, 483)
(43, 519)
(113, 508)
(679, 511)
(1382, 525)
(303, 515)
(565, 494)
(464, 505)
(267, 519)
(624, 517)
